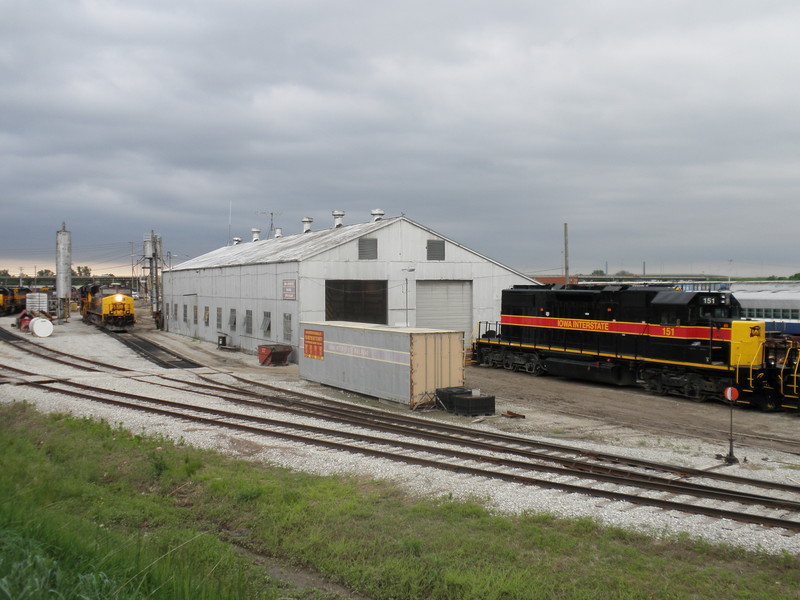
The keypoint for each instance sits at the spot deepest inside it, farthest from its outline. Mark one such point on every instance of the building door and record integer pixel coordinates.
(445, 305)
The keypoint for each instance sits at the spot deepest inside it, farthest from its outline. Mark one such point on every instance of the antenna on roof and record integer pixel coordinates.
(272, 216)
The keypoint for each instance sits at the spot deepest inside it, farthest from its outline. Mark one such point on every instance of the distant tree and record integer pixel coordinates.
(82, 271)
(795, 276)
(598, 272)
(44, 273)
(4, 273)
(623, 273)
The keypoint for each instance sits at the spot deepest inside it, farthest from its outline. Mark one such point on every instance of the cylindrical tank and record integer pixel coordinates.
(63, 263)
(40, 327)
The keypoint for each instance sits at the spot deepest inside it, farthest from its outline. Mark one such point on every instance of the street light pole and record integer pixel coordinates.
(408, 270)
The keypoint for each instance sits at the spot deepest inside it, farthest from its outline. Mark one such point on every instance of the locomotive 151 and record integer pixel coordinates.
(690, 344)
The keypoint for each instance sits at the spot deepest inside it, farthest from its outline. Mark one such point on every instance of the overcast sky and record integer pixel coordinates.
(665, 133)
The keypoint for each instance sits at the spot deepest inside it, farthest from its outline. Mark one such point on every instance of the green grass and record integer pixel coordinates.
(88, 510)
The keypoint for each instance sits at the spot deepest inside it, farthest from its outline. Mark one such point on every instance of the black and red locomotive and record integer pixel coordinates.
(691, 344)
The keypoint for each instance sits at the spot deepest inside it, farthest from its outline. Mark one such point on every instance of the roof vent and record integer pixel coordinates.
(307, 221)
(278, 232)
(255, 231)
(377, 214)
(338, 215)
(236, 240)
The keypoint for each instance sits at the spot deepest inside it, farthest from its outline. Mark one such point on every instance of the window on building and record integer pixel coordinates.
(367, 249)
(435, 249)
(266, 324)
(248, 321)
(287, 327)
(205, 316)
(232, 320)
(194, 314)
(185, 314)
(359, 301)
(219, 318)
(175, 311)
(166, 309)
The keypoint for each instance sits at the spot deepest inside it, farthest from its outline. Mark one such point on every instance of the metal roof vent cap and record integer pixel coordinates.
(307, 221)
(377, 214)
(236, 240)
(278, 232)
(338, 215)
(256, 232)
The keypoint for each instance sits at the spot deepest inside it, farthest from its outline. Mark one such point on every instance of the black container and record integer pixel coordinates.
(445, 395)
(467, 405)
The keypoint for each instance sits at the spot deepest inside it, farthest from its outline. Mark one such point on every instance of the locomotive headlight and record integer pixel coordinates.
(118, 297)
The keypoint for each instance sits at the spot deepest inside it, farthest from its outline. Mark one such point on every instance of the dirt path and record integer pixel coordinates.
(574, 409)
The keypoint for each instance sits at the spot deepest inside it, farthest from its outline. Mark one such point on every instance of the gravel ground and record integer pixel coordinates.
(590, 432)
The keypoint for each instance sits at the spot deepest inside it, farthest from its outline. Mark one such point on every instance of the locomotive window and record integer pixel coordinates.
(713, 312)
(669, 317)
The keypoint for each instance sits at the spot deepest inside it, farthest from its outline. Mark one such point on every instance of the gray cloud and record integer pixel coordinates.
(663, 133)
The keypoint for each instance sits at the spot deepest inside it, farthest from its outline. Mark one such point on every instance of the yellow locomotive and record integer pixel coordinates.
(12, 299)
(107, 305)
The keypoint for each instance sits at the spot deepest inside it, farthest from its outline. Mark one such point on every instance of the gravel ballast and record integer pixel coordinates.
(77, 338)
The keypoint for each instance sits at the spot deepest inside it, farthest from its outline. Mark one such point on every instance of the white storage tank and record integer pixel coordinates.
(40, 327)
(37, 302)
(402, 364)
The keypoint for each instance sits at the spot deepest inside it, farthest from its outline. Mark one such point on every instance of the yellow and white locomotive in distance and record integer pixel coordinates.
(107, 305)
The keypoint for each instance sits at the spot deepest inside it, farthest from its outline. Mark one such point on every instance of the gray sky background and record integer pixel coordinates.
(663, 132)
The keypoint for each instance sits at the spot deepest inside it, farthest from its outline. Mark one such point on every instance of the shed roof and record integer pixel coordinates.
(302, 246)
(288, 248)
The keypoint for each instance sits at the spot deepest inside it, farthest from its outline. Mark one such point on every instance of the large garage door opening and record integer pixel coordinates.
(359, 301)
(445, 305)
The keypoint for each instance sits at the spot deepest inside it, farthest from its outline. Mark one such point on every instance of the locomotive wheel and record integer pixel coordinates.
(535, 367)
(691, 390)
(508, 363)
(654, 385)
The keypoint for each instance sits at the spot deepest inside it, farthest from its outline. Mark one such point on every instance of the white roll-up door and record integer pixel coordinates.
(445, 305)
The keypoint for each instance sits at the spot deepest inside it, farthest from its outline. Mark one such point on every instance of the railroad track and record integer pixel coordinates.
(305, 419)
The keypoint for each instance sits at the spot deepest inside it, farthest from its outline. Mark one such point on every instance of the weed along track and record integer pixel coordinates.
(226, 406)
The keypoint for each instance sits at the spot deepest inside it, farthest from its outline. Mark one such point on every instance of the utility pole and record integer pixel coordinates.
(152, 253)
(566, 255)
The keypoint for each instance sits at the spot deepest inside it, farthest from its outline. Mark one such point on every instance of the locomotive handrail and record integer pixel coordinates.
(752, 363)
(793, 375)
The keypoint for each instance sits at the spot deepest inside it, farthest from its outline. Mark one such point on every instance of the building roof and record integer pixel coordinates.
(287, 248)
(302, 246)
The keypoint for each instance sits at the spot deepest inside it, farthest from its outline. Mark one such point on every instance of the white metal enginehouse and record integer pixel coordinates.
(388, 271)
